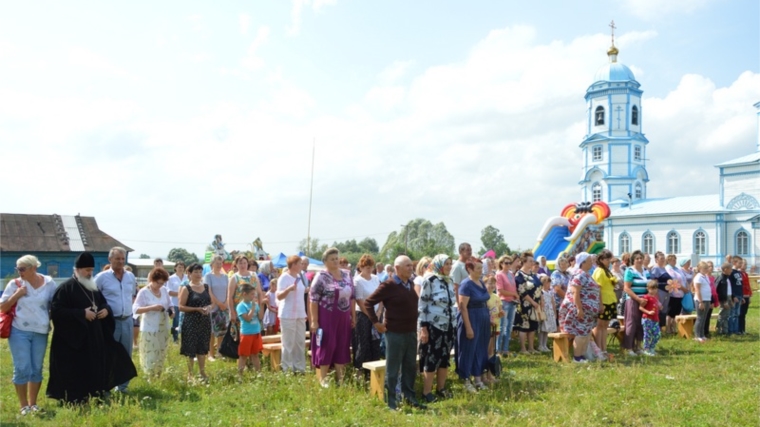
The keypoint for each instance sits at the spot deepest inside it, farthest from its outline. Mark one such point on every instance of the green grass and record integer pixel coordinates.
(713, 384)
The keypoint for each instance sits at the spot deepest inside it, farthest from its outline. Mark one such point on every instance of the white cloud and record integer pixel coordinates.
(658, 10)
(296, 13)
(245, 22)
(198, 23)
(252, 61)
(83, 58)
(696, 126)
(392, 73)
(491, 139)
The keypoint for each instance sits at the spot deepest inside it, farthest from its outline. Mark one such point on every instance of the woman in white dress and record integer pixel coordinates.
(153, 304)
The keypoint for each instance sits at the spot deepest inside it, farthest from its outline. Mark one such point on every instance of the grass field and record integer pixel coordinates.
(687, 384)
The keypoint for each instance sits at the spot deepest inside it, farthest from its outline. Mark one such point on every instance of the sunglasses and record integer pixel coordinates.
(21, 269)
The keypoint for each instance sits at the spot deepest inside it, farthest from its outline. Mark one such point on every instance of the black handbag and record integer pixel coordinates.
(494, 366)
(230, 342)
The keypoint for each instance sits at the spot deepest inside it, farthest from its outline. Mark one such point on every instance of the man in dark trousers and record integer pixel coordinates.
(400, 301)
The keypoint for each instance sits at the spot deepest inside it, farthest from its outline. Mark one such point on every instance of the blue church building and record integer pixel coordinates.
(56, 240)
(707, 227)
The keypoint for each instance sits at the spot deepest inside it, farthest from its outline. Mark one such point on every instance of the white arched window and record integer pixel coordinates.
(625, 243)
(637, 192)
(673, 245)
(700, 243)
(647, 243)
(596, 192)
(742, 243)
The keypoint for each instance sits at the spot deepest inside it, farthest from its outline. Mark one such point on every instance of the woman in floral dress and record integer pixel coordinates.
(153, 304)
(529, 288)
(332, 298)
(580, 308)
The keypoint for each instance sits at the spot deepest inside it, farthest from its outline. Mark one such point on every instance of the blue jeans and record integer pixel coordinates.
(401, 354)
(505, 326)
(733, 317)
(27, 352)
(175, 323)
(123, 334)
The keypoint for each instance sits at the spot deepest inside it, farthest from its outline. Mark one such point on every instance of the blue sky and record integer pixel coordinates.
(186, 119)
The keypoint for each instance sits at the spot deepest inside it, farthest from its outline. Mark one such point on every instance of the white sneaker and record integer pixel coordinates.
(639, 352)
(649, 353)
(544, 350)
(631, 353)
(469, 387)
(582, 360)
(480, 386)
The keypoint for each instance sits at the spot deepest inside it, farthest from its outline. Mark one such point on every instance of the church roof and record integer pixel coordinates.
(53, 233)
(709, 203)
(741, 161)
(614, 72)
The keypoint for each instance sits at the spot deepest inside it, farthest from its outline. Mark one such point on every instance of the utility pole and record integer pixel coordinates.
(406, 239)
(311, 192)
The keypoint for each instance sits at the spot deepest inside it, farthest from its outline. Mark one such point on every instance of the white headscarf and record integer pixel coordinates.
(580, 259)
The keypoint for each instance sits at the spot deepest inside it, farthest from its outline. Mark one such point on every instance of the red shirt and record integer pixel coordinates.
(746, 288)
(651, 306)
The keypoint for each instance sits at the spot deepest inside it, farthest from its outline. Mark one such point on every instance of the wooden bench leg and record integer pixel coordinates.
(274, 359)
(620, 336)
(561, 349)
(377, 383)
(686, 328)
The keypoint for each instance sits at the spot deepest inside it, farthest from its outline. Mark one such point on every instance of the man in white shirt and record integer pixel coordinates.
(172, 286)
(118, 286)
(458, 272)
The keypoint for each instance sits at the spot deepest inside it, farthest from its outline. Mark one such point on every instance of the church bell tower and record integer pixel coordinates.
(614, 148)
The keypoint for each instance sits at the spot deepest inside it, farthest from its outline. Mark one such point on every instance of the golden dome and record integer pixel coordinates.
(612, 53)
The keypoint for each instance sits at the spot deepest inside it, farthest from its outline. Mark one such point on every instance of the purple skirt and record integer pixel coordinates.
(335, 348)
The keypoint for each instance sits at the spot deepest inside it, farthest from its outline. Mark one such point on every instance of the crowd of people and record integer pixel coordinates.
(440, 309)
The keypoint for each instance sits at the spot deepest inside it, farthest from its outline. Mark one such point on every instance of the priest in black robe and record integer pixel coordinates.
(85, 360)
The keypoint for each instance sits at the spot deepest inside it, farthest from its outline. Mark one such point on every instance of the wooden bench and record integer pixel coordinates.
(561, 346)
(685, 324)
(376, 378)
(274, 351)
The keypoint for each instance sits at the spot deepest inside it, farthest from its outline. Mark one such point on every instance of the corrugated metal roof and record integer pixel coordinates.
(671, 206)
(46, 233)
(744, 160)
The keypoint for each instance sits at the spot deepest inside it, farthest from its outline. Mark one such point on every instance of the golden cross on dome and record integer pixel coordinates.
(612, 26)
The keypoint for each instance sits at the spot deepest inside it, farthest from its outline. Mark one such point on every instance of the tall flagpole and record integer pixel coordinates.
(311, 193)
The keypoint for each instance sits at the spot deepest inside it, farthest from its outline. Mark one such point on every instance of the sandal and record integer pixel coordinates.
(26, 410)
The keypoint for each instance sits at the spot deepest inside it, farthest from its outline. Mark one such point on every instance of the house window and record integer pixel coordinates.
(635, 115)
(637, 191)
(597, 153)
(700, 243)
(647, 244)
(625, 243)
(596, 192)
(742, 243)
(673, 243)
(599, 116)
(52, 269)
(637, 153)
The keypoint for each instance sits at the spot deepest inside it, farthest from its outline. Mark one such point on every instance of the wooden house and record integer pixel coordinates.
(56, 240)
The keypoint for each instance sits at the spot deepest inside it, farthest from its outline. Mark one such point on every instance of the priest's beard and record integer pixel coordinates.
(87, 282)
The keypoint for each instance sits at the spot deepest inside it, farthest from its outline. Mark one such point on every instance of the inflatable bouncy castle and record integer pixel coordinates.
(579, 228)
